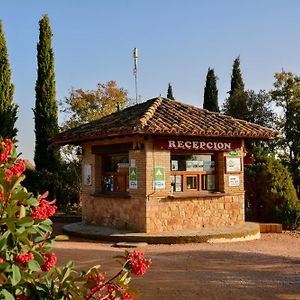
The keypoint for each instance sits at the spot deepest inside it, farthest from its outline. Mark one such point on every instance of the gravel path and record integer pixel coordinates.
(268, 268)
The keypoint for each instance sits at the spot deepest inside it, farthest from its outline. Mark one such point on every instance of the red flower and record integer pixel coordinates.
(49, 261)
(138, 263)
(44, 210)
(5, 148)
(1, 195)
(1, 260)
(24, 258)
(9, 173)
(17, 169)
(126, 296)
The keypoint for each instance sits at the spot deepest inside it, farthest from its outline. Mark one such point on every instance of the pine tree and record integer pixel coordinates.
(8, 110)
(46, 112)
(170, 92)
(211, 92)
(237, 84)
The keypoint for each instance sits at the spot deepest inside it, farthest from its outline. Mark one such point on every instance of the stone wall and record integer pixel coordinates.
(123, 213)
(194, 213)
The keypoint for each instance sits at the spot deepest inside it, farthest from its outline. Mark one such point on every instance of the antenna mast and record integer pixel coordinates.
(135, 68)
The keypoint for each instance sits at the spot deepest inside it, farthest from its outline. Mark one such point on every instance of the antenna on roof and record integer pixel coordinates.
(135, 68)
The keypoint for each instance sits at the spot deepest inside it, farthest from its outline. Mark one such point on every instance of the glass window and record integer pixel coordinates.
(195, 172)
(115, 173)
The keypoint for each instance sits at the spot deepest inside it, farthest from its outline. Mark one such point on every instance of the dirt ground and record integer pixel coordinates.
(268, 268)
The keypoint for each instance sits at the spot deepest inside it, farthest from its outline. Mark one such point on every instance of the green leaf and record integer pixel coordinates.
(38, 257)
(16, 275)
(124, 276)
(47, 222)
(7, 295)
(22, 212)
(32, 202)
(34, 266)
(26, 221)
(66, 273)
(46, 228)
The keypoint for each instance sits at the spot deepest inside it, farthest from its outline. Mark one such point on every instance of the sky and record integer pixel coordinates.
(178, 40)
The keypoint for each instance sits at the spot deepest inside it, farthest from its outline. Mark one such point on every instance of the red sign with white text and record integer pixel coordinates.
(197, 145)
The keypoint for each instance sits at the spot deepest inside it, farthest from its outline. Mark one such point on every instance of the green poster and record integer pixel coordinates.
(132, 177)
(159, 177)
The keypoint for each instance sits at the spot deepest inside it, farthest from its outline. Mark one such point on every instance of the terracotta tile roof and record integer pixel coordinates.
(165, 117)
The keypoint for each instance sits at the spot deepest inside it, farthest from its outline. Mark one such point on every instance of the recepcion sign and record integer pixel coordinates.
(197, 145)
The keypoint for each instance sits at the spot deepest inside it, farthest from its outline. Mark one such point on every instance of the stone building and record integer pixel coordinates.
(163, 165)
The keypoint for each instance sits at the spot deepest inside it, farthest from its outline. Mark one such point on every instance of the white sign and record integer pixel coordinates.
(234, 180)
(233, 164)
(87, 174)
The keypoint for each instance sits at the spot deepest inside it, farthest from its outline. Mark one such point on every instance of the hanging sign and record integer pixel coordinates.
(159, 178)
(197, 145)
(132, 178)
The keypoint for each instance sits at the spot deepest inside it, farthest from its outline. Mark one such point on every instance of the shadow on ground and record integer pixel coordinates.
(198, 274)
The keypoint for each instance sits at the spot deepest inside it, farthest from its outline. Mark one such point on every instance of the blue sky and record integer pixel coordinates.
(177, 40)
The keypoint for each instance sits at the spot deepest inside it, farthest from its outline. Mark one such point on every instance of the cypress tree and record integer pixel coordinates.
(237, 83)
(211, 92)
(8, 110)
(170, 92)
(46, 112)
(236, 104)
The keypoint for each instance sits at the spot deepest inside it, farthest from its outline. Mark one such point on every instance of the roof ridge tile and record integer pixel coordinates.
(150, 111)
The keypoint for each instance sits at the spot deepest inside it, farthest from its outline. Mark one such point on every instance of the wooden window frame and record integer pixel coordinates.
(198, 174)
(122, 175)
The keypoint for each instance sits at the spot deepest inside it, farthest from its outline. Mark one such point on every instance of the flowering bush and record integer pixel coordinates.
(28, 266)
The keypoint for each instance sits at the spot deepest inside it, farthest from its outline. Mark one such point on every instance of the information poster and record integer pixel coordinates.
(234, 180)
(159, 178)
(194, 165)
(133, 178)
(233, 164)
(87, 174)
(174, 165)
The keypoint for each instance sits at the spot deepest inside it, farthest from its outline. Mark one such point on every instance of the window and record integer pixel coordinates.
(115, 173)
(193, 172)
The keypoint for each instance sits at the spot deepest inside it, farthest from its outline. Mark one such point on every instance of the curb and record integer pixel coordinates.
(245, 232)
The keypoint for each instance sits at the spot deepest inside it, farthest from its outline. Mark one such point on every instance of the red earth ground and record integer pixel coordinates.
(268, 268)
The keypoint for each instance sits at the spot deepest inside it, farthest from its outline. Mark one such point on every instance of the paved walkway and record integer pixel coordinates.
(247, 231)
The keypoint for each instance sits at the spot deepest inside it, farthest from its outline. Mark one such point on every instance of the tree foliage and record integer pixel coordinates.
(170, 92)
(235, 104)
(252, 107)
(8, 110)
(46, 111)
(270, 194)
(237, 83)
(84, 106)
(287, 97)
(211, 92)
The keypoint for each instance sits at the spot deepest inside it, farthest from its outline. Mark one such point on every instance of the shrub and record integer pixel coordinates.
(28, 265)
(270, 194)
